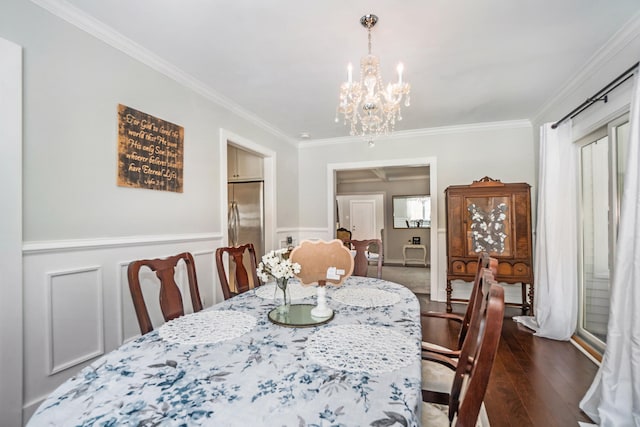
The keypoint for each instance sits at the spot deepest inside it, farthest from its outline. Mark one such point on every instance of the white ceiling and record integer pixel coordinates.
(468, 61)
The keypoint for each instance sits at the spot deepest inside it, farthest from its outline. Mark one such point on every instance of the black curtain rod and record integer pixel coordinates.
(601, 95)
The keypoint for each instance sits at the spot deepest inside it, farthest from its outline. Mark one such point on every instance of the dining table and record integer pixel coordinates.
(244, 362)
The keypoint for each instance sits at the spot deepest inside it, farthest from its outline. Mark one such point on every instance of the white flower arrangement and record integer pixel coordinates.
(277, 265)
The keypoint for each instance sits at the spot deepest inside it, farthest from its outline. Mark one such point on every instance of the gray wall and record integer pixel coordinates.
(80, 230)
(72, 85)
(460, 154)
(620, 53)
(503, 151)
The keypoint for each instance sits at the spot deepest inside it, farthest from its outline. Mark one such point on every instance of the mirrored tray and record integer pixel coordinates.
(297, 316)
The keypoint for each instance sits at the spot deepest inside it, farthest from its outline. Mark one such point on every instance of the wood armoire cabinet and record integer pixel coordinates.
(495, 217)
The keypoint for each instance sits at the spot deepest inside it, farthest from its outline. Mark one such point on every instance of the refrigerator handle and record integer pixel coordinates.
(233, 220)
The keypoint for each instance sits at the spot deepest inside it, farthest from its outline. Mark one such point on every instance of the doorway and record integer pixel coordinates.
(378, 168)
(268, 161)
(245, 193)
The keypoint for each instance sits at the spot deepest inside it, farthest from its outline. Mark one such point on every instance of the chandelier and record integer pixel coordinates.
(371, 108)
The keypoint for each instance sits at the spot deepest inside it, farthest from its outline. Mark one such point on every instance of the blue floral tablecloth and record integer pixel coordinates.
(262, 378)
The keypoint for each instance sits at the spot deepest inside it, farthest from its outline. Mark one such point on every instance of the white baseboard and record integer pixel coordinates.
(29, 409)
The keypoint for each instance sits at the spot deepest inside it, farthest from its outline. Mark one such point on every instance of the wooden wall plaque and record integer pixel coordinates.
(150, 151)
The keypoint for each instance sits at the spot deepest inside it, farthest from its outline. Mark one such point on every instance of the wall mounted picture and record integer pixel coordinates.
(150, 151)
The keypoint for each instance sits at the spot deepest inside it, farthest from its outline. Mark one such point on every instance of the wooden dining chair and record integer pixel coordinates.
(361, 261)
(484, 262)
(463, 405)
(241, 277)
(376, 251)
(435, 376)
(170, 296)
(343, 234)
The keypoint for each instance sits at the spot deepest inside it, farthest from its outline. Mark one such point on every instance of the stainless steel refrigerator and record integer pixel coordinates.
(246, 215)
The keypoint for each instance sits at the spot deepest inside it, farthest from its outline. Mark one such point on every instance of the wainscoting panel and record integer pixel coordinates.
(79, 326)
(315, 234)
(283, 233)
(77, 303)
(300, 234)
(210, 290)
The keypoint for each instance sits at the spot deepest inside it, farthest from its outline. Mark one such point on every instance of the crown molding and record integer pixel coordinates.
(625, 35)
(76, 17)
(413, 133)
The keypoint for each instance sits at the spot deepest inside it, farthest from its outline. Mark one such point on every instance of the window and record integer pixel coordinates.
(602, 167)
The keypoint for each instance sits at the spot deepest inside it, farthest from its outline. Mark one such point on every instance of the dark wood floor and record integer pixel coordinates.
(534, 381)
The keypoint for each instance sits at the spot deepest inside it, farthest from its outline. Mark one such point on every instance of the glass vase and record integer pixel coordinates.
(282, 284)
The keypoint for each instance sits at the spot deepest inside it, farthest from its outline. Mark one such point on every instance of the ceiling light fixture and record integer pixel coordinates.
(371, 108)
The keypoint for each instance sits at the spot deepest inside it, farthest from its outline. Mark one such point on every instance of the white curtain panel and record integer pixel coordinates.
(556, 253)
(614, 397)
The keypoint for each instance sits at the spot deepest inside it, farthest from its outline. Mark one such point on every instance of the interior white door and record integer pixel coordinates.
(363, 219)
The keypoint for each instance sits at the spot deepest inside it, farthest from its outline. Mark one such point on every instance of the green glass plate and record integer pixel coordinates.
(296, 316)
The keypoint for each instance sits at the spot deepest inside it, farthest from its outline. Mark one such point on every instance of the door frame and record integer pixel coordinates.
(11, 303)
(431, 162)
(269, 170)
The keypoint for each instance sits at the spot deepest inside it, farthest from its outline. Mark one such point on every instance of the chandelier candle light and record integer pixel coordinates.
(371, 108)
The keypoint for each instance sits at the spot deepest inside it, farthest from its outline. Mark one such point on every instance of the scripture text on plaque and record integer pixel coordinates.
(149, 151)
